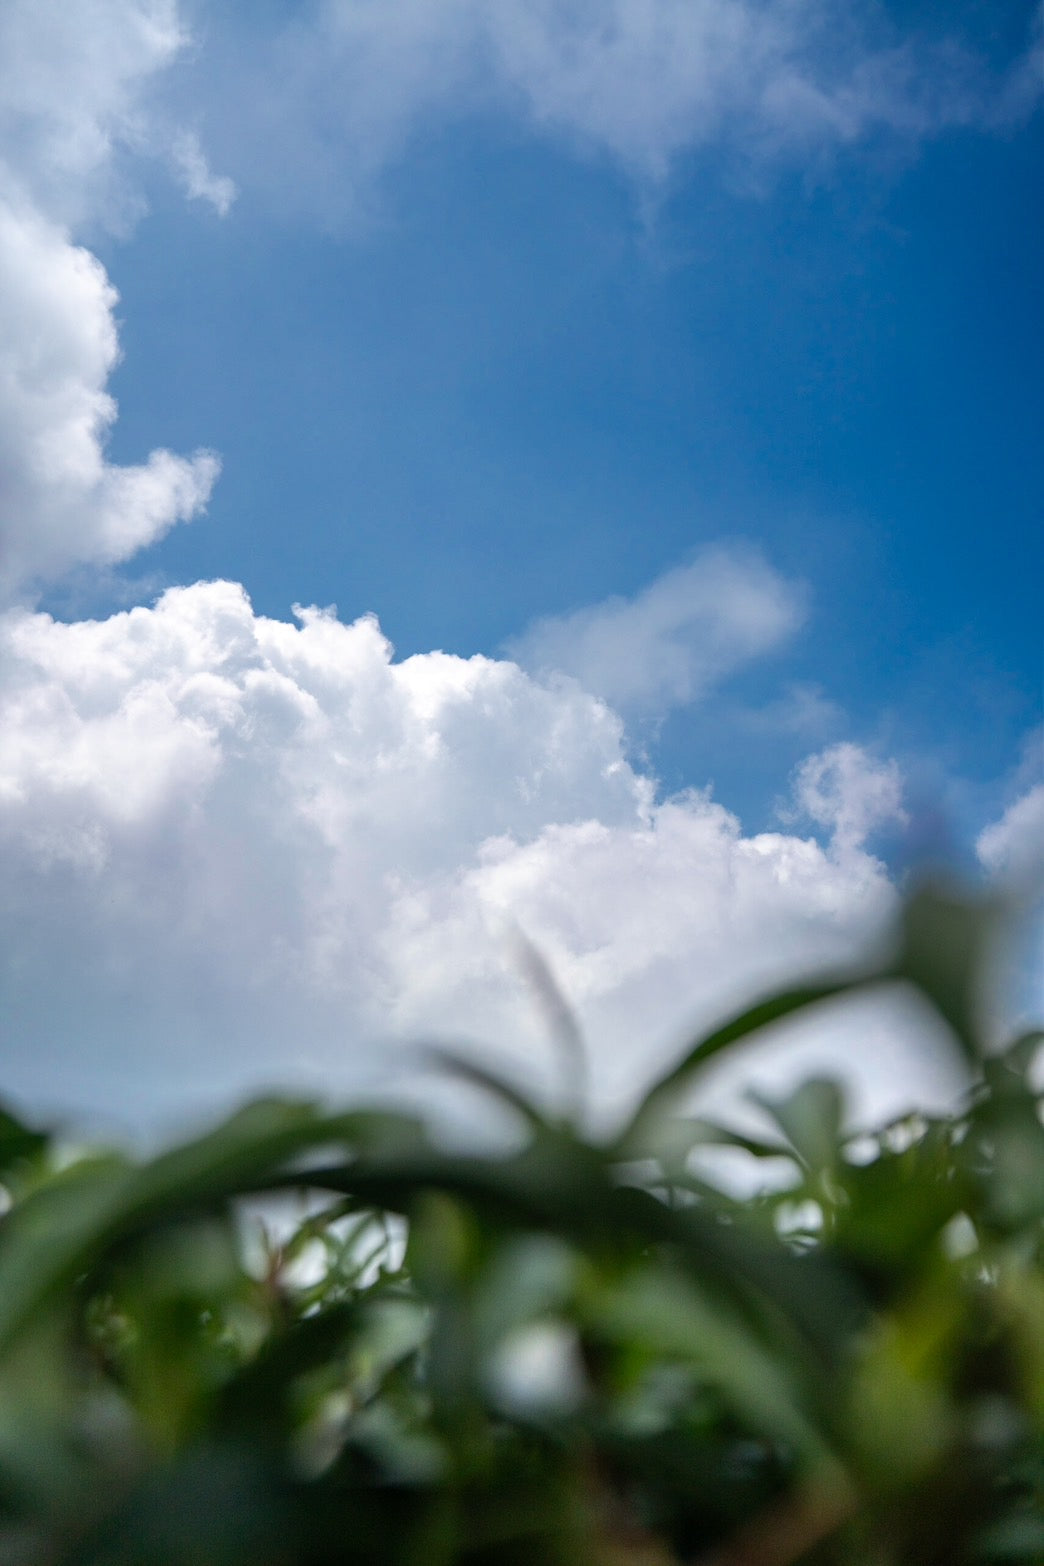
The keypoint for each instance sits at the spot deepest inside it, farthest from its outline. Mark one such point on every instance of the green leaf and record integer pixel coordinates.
(1020, 1056)
(688, 1133)
(18, 1141)
(63, 1229)
(811, 1118)
(563, 1027)
(639, 1134)
(257, 1399)
(52, 1236)
(527, 1276)
(896, 1206)
(669, 1316)
(491, 1082)
(944, 944)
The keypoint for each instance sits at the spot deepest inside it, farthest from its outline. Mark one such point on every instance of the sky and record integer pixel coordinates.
(497, 466)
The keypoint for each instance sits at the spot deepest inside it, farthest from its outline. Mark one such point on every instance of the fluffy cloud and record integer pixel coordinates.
(845, 790)
(62, 502)
(1014, 845)
(72, 87)
(239, 850)
(1011, 852)
(672, 641)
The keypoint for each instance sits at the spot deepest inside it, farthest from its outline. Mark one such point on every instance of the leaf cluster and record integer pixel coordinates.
(311, 1337)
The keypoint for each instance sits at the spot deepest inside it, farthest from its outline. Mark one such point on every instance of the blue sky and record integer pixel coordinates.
(522, 382)
(719, 327)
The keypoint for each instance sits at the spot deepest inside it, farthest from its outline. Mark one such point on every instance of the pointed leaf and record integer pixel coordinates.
(744, 1026)
(811, 1119)
(491, 1082)
(944, 945)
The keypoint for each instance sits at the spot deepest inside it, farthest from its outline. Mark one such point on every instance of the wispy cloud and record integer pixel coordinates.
(669, 644)
(74, 84)
(802, 709)
(198, 180)
(761, 83)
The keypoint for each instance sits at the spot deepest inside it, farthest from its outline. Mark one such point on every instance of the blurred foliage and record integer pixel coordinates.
(309, 1338)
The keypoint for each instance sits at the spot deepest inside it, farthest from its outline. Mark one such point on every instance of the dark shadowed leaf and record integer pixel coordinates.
(491, 1082)
(945, 940)
(18, 1141)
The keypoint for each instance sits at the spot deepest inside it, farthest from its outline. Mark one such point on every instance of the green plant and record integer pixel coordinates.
(311, 1337)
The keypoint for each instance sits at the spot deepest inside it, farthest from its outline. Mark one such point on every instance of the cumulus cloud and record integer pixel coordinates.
(61, 501)
(1014, 845)
(71, 94)
(1010, 850)
(847, 791)
(666, 646)
(239, 850)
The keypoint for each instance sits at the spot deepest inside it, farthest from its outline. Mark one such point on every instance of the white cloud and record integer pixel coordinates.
(62, 502)
(647, 79)
(238, 851)
(1014, 845)
(670, 643)
(199, 181)
(845, 790)
(321, 102)
(73, 86)
(641, 81)
(72, 92)
(1011, 852)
